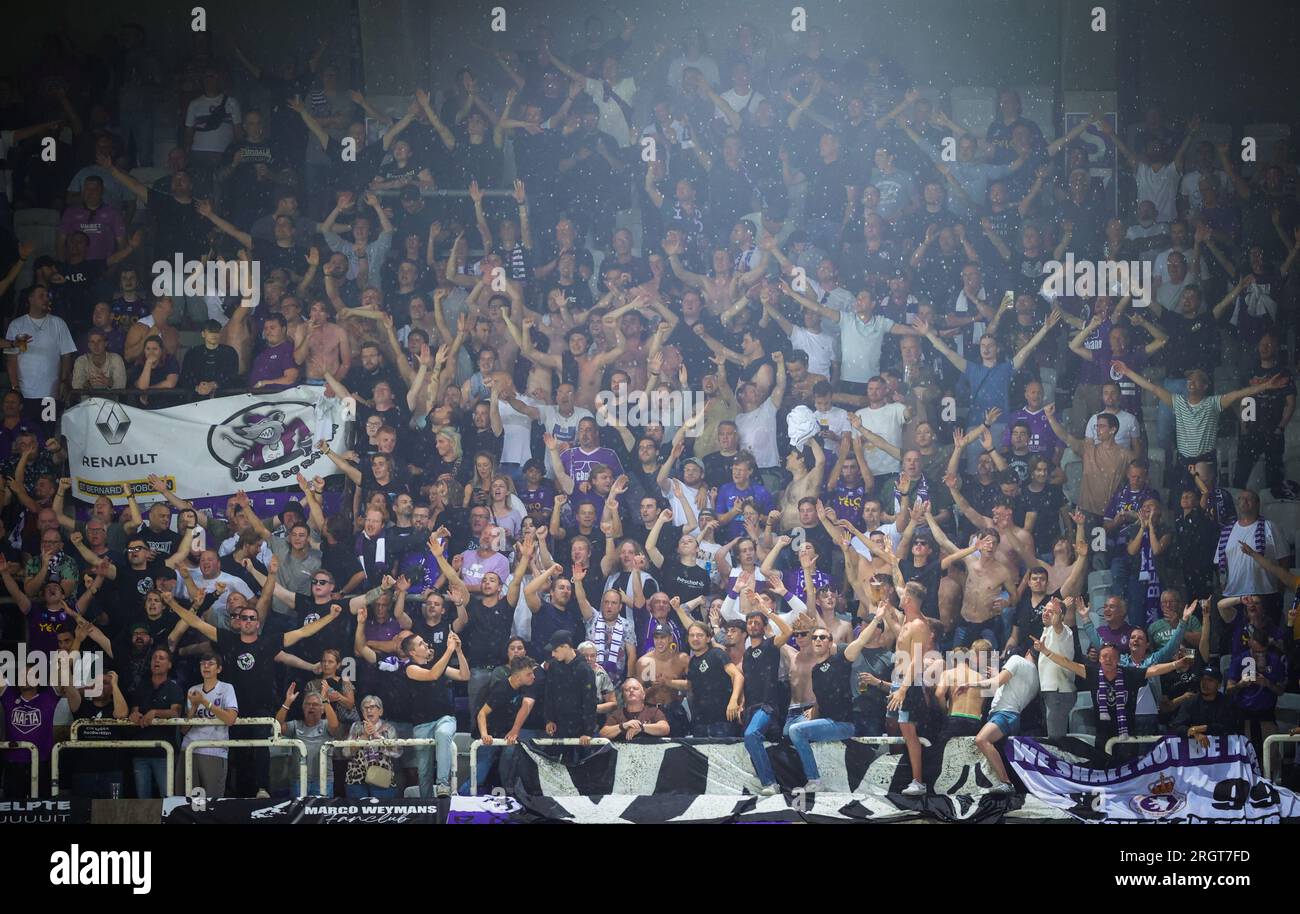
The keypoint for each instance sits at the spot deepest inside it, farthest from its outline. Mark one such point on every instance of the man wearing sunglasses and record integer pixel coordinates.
(831, 716)
(248, 658)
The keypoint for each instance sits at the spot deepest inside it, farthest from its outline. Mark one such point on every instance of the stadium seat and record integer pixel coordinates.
(1038, 104)
(28, 219)
(974, 107)
(1288, 711)
(1080, 718)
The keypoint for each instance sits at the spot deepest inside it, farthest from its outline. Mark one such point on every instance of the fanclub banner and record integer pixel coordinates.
(710, 781)
(302, 811)
(1178, 781)
(212, 447)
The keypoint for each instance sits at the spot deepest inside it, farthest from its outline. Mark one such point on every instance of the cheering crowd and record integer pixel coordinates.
(885, 480)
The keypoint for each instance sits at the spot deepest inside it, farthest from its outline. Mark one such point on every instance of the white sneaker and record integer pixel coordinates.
(813, 786)
(1002, 787)
(768, 790)
(263, 795)
(442, 790)
(914, 789)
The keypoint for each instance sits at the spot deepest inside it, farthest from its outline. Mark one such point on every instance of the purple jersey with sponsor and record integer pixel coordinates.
(1042, 440)
(578, 463)
(43, 627)
(29, 719)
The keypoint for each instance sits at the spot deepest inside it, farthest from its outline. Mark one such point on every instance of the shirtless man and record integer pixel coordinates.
(1016, 548)
(591, 368)
(157, 324)
(800, 663)
(667, 661)
(324, 347)
(907, 703)
(807, 482)
(986, 577)
(957, 692)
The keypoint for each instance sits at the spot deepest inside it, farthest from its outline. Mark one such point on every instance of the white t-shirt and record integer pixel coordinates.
(207, 585)
(890, 530)
(740, 103)
(612, 120)
(38, 367)
(821, 348)
(1245, 576)
(564, 428)
(1016, 694)
(860, 344)
(679, 512)
(836, 422)
(887, 422)
(222, 696)
(213, 140)
(1161, 267)
(1190, 187)
(1128, 429)
(1052, 677)
(516, 446)
(1161, 188)
(758, 434)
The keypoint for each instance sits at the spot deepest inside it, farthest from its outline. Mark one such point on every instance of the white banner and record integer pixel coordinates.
(1178, 781)
(212, 447)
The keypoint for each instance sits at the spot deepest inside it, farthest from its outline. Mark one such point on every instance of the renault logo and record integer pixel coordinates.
(112, 422)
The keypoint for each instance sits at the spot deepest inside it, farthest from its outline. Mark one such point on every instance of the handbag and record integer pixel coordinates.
(379, 776)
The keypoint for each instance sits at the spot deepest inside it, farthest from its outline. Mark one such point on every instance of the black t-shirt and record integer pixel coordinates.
(929, 576)
(429, 701)
(682, 581)
(1029, 616)
(1269, 403)
(131, 587)
(1193, 343)
(761, 666)
(147, 697)
(250, 669)
(337, 634)
(710, 686)
(179, 226)
(830, 682)
(104, 761)
(203, 364)
(162, 542)
(487, 632)
(717, 469)
(503, 701)
(826, 182)
(77, 293)
(1046, 505)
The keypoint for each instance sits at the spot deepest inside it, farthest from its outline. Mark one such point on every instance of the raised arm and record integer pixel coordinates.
(1151, 387)
(924, 329)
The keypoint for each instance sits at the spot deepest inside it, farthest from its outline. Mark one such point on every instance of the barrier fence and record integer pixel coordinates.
(326, 750)
(1277, 739)
(243, 744)
(165, 745)
(19, 744)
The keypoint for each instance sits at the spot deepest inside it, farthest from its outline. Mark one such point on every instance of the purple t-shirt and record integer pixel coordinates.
(30, 720)
(1042, 440)
(578, 463)
(102, 227)
(473, 567)
(43, 627)
(1115, 636)
(1098, 343)
(272, 362)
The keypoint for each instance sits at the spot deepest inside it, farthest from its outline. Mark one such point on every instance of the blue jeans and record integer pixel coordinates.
(1126, 583)
(757, 751)
(444, 731)
(150, 776)
(361, 791)
(966, 632)
(1165, 414)
(806, 732)
(506, 770)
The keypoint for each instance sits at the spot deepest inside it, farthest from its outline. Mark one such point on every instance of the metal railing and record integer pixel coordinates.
(1277, 739)
(162, 744)
(1116, 740)
(542, 741)
(271, 722)
(243, 744)
(326, 750)
(879, 741)
(17, 744)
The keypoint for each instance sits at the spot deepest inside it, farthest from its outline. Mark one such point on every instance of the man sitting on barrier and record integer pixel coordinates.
(761, 664)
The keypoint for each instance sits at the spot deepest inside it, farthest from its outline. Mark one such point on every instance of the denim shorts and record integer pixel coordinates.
(1006, 721)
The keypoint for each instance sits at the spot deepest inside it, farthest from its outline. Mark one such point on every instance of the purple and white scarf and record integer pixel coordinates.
(1221, 553)
(1117, 692)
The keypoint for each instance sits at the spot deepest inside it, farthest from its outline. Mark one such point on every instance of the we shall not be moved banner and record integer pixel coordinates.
(209, 448)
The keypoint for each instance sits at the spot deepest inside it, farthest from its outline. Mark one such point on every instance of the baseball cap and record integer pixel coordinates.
(695, 460)
(409, 193)
(1212, 671)
(561, 637)
(662, 629)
